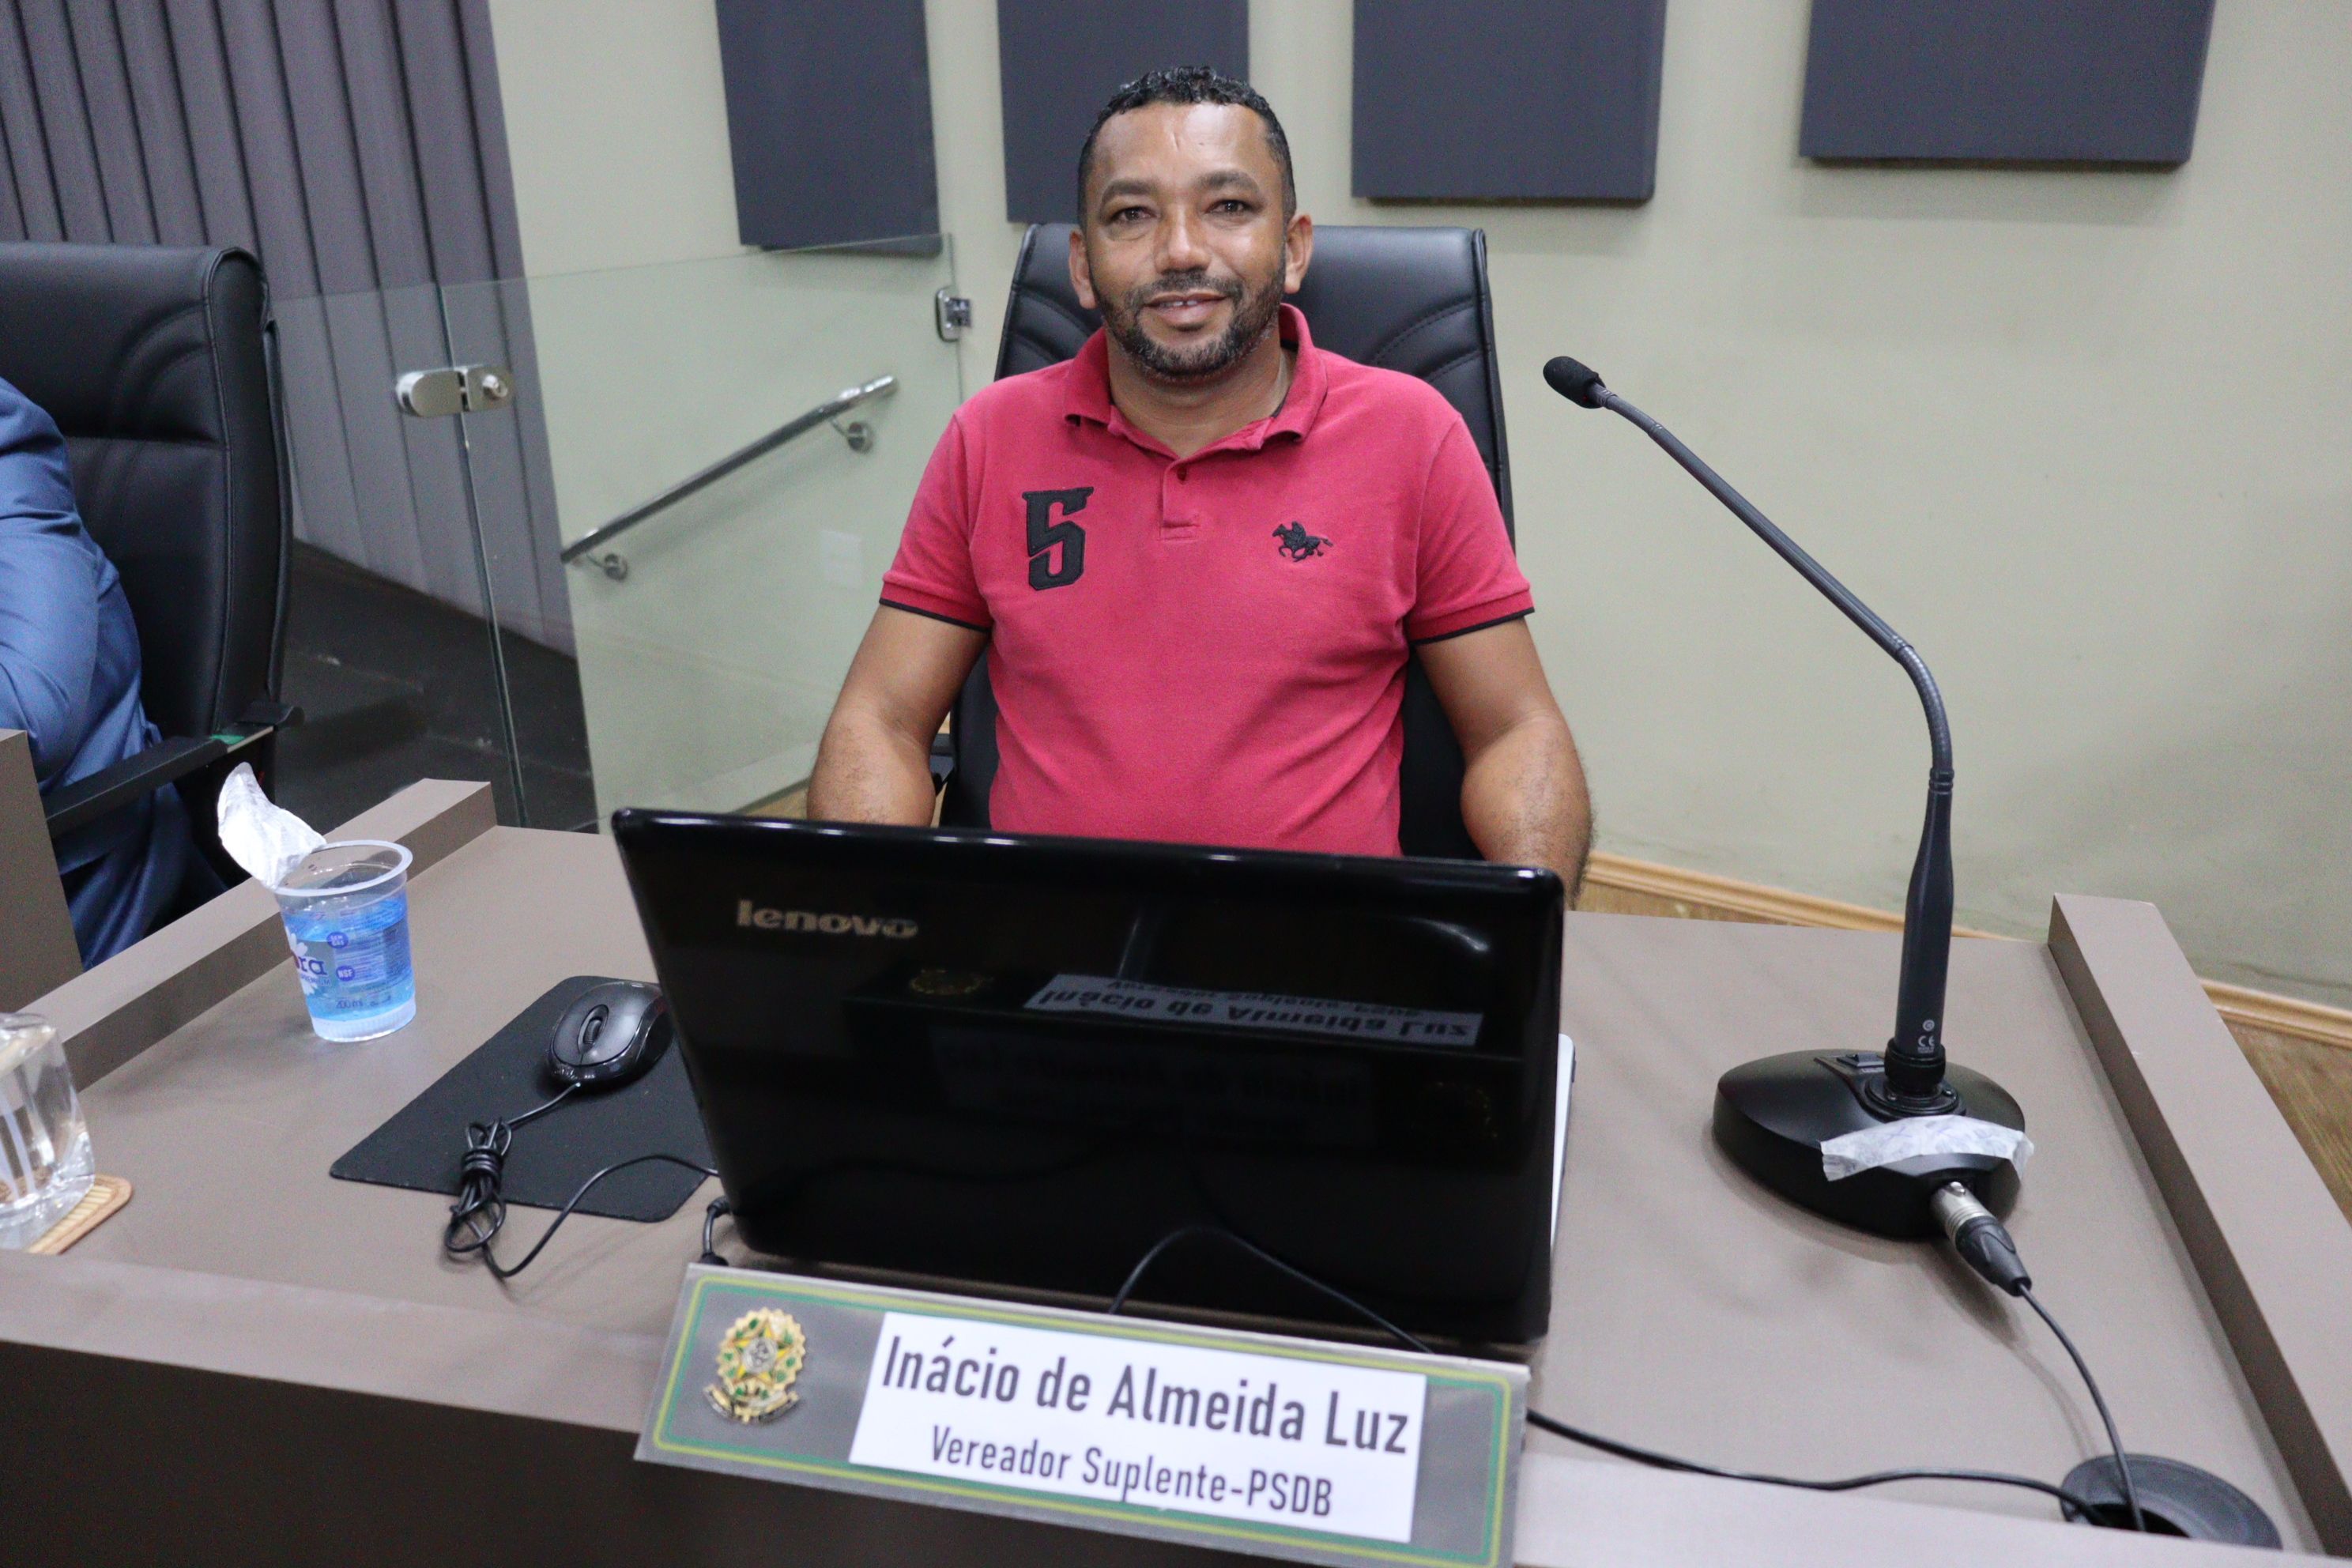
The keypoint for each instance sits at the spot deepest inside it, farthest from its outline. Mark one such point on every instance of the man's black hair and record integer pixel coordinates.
(1190, 84)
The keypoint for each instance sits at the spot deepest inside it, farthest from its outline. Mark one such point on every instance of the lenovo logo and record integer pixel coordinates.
(756, 918)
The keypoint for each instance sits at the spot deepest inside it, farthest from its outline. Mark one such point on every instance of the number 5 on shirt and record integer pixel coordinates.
(1044, 533)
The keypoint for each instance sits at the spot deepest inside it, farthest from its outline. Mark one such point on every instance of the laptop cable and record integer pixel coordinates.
(1982, 1244)
(711, 1214)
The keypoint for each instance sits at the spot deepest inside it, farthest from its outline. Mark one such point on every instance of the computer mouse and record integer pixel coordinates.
(614, 1032)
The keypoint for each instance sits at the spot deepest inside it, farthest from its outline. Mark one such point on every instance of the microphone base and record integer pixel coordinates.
(1772, 1116)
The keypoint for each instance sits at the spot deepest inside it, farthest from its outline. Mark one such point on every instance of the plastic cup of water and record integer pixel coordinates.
(346, 911)
(45, 1161)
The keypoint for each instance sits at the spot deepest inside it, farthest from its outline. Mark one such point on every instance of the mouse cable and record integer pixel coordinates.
(1536, 1419)
(480, 1208)
(479, 1240)
(479, 1212)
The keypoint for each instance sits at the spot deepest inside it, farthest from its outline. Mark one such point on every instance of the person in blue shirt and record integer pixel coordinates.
(69, 678)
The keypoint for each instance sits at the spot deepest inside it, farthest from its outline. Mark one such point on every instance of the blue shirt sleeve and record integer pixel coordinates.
(51, 579)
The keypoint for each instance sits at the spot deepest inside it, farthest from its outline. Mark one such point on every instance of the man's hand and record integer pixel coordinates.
(1523, 795)
(875, 761)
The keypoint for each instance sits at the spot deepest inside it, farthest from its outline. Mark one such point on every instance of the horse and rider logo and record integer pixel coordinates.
(1296, 543)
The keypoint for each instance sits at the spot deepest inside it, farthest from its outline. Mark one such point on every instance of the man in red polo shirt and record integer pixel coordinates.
(1198, 555)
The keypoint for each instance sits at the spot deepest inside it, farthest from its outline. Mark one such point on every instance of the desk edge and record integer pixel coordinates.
(2266, 1239)
(540, 1368)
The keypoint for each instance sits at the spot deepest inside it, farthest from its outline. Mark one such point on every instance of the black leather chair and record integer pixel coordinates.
(1413, 300)
(158, 364)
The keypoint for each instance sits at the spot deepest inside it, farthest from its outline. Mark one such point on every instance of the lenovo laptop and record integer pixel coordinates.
(1019, 1062)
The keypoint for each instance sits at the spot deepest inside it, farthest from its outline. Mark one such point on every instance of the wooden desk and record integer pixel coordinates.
(273, 1365)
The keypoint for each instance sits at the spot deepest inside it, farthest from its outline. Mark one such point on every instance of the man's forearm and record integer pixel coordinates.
(1524, 802)
(868, 771)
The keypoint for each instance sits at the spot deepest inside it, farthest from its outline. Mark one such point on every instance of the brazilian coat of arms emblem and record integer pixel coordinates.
(760, 1357)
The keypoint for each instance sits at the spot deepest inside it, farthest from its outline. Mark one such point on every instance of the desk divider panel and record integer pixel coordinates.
(2267, 1239)
(110, 1013)
(36, 939)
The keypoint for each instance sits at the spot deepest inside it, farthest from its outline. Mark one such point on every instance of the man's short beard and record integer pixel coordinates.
(1253, 314)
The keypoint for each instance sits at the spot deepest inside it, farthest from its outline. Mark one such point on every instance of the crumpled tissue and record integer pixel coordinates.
(1891, 1142)
(268, 840)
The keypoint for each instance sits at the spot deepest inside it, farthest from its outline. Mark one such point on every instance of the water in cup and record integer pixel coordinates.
(346, 912)
(45, 1159)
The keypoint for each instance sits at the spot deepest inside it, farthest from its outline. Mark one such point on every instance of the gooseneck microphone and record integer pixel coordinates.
(1773, 1115)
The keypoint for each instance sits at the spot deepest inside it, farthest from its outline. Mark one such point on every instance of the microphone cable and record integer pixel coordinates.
(1638, 1454)
(479, 1212)
(1985, 1245)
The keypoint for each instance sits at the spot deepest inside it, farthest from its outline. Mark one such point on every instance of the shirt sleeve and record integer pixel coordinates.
(1468, 578)
(933, 575)
(49, 590)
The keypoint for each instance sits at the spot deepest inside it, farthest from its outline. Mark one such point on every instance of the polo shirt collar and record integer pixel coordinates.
(1089, 391)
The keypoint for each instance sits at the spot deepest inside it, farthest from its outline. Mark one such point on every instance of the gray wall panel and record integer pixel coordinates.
(325, 154)
(384, 142)
(114, 133)
(327, 511)
(455, 216)
(263, 123)
(12, 216)
(489, 126)
(27, 146)
(1511, 100)
(64, 124)
(2005, 80)
(162, 127)
(210, 107)
(1059, 61)
(829, 121)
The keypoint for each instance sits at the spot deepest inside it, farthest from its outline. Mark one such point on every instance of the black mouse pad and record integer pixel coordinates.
(420, 1147)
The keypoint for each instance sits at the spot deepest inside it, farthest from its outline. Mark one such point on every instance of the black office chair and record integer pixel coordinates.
(1413, 300)
(158, 364)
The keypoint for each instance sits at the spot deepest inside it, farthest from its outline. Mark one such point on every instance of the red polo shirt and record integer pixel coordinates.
(1208, 649)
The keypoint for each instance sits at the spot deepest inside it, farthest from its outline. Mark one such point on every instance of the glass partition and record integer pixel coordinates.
(694, 491)
(391, 649)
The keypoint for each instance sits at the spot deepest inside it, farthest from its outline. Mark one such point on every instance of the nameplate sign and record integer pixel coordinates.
(1282, 1446)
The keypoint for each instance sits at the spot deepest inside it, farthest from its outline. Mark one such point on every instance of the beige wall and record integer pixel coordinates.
(2086, 438)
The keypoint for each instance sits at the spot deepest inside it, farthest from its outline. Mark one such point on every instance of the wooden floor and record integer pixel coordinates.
(2313, 1085)
(2310, 1079)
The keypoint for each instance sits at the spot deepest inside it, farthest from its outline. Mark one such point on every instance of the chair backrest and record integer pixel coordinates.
(1413, 300)
(154, 363)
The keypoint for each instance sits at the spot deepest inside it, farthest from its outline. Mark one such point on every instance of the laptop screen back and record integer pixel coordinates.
(1020, 1062)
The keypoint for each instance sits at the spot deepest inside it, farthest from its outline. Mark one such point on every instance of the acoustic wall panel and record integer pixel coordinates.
(1059, 60)
(2094, 81)
(829, 121)
(1528, 99)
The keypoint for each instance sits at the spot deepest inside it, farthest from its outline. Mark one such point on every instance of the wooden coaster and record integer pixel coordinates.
(106, 1195)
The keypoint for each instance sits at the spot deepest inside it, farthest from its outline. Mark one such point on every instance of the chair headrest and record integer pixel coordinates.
(152, 361)
(113, 340)
(1409, 299)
